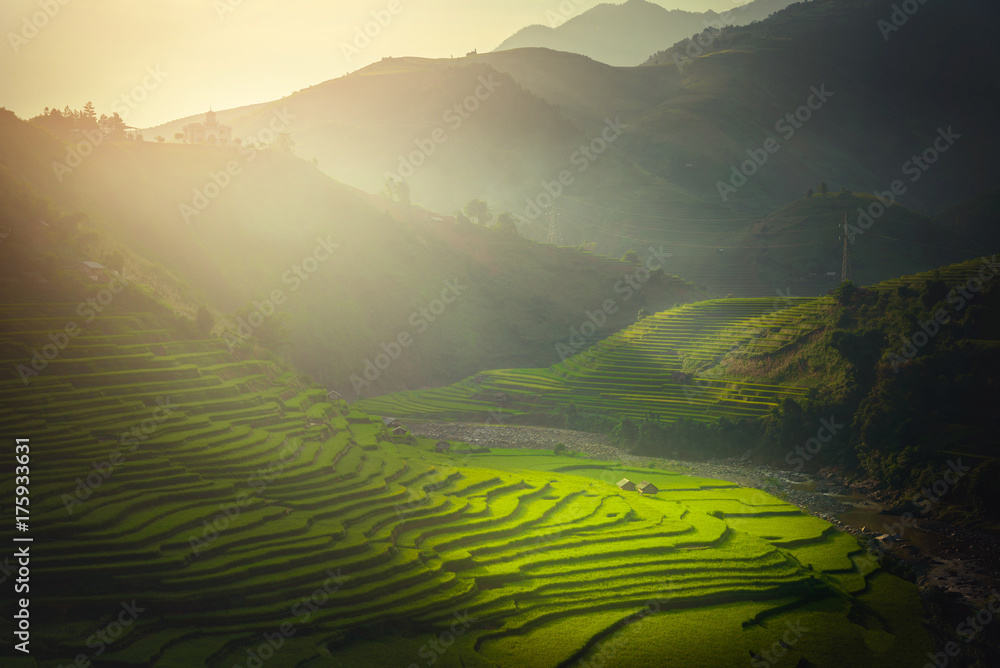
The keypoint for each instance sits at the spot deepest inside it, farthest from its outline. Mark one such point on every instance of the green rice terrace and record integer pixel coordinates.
(673, 365)
(193, 509)
(661, 365)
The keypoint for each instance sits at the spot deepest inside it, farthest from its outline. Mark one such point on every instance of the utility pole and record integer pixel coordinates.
(553, 236)
(845, 269)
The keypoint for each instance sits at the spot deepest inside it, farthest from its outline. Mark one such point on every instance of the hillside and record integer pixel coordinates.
(978, 217)
(681, 170)
(718, 378)
(652, 338)
(800, 246)
(349, 276)
(695, 111)
(493, 137)
(221, 509)
(746, 79)
(626, 34)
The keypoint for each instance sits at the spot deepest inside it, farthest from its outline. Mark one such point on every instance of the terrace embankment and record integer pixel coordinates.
(954, 558)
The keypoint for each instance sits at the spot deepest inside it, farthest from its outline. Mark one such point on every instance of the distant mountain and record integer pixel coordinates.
(800, 246)
(627, 34)
(668, 177)
(977, 218)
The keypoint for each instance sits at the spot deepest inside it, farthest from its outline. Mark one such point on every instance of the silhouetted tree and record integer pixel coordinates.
(397, 190)
(112, 127)
(57, 122)
(507, 224)
(845, 292)
(87, 119)
(822, 188)
(479, 211)
(809, 192)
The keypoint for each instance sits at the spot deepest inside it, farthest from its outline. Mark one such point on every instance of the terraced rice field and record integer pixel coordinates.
(191, 509)
(638, 370)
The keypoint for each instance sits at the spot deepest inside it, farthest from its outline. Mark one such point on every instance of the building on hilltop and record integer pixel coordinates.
(626, 485)
(209, 132)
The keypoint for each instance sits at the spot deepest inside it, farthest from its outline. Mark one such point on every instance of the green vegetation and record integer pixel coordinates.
(338, 307)
(722, 377)
(662, 367)
(250, 500)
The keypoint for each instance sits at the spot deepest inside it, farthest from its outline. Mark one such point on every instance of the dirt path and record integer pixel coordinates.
(946, 566)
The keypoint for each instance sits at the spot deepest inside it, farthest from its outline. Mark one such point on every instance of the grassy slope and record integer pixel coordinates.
(635, 372)
(890, 96)
(545, 554)
(745, 358)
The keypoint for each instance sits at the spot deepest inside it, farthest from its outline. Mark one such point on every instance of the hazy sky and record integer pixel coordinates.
(157, 60)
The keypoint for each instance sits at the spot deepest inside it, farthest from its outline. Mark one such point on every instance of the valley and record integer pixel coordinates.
(659, 335)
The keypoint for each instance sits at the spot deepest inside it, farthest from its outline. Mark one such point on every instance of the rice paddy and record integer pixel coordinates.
(248, 519)
(661, 366)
